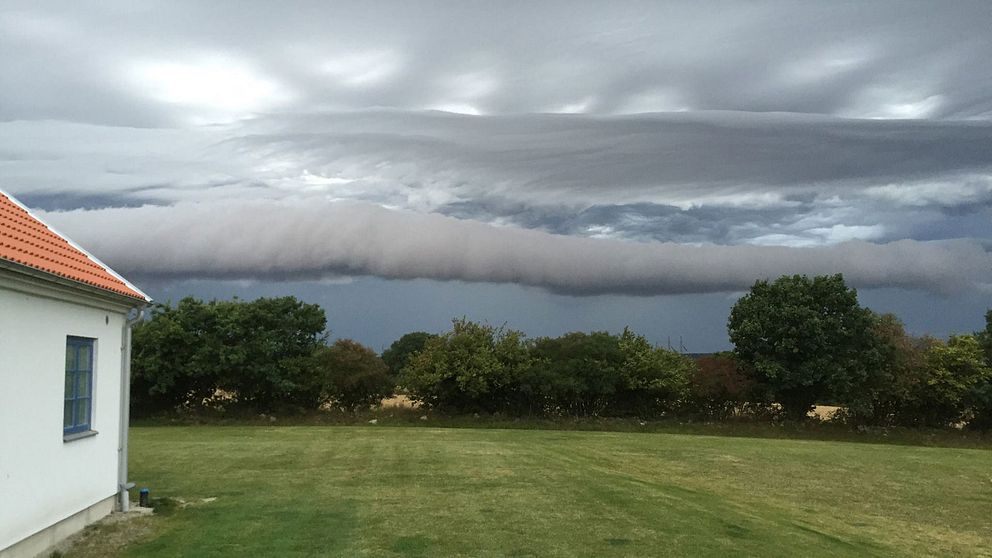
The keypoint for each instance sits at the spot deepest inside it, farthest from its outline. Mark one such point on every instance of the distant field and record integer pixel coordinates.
(383, 491)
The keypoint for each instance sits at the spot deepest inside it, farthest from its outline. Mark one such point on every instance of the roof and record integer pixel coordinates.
(27, 240)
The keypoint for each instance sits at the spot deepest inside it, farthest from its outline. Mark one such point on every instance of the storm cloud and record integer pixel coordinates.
(278, 241)
(577, 147)
(713, 177)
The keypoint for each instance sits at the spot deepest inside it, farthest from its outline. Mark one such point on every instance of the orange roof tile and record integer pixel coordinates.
(26, 240)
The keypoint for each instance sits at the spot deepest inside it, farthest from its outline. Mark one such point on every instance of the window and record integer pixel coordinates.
(78, 385)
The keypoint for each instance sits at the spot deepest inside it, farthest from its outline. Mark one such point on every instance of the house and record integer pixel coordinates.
(65, 322)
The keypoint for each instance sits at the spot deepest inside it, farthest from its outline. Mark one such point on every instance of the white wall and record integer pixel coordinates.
(43, 479)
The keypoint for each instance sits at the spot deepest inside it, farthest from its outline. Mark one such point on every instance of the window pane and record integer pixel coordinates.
(83, 384)
(67, 415)
(85, 357)
(82, 412)
(70, 385)
(70, 357)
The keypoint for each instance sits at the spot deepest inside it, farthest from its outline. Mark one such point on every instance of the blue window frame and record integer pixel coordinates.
(78, 408)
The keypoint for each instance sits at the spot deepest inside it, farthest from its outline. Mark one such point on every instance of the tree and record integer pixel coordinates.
(899, 368)
(803, 340)
(268, 345)
(258, 352)
(354, 376)
(398, 354)
(173, 363)
(984, 337)
(982, 392)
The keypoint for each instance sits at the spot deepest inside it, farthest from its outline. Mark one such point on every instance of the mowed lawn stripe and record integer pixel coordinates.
(383, 491)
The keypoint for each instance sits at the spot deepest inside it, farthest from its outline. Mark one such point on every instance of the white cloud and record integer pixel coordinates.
(961, 190)
(844, 233)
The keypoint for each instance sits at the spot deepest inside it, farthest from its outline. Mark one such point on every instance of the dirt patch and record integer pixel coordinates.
(108, 536)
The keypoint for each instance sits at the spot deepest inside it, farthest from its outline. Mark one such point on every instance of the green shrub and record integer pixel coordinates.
(652, 380)
(953, 385)
(472, 368)
(576, 374)
(718, 388)
(354, 377)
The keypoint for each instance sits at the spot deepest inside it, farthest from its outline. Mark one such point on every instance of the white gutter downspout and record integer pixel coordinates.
(122, 484)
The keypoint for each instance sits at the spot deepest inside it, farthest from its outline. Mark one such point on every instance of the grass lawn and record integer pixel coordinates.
(385, 491)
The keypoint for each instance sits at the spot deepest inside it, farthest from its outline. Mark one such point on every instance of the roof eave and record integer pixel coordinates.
(119, 298)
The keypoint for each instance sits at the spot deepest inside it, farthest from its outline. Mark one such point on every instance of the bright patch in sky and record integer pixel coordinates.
(577, 107)
(458, 108)
(223, 86)
(361, 69)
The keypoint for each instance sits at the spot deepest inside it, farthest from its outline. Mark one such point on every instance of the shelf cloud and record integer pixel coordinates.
(275, 240)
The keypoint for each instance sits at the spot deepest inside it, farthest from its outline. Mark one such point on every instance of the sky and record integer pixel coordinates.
(552, 166)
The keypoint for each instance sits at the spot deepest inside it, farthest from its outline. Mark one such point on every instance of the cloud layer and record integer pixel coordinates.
(714, 177)
(181, 62)
(581, 147)
(282, 240)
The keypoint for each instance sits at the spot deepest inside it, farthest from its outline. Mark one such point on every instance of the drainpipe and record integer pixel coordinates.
(122, 485)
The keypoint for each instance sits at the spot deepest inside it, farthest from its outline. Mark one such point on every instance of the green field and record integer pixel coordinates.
(384, 491)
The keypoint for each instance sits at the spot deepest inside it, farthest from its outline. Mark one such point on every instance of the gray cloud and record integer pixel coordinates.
(283, 240)
(887, 59)
(724, 178)
(703, 158)
(711, 144)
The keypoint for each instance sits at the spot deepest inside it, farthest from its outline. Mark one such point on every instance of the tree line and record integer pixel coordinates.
(798, 341)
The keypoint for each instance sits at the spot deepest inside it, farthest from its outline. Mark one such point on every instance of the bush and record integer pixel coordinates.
(479, 368)
(981, 400)
(472, 368)
(984, 338)
(576, 374)
(354, 377)
(718, 388)
(652, 380)
(953, 386)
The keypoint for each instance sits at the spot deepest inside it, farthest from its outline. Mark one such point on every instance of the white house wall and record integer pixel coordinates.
(44, 480)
